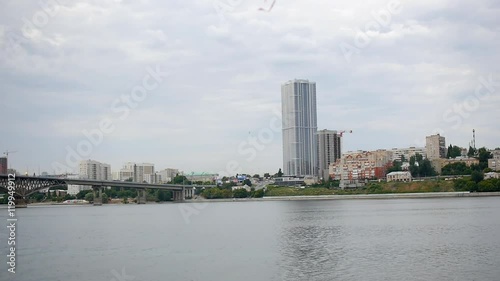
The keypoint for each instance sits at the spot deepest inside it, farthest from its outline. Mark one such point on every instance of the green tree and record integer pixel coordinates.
(486, 186)
(256, 176)
(426, 169)
(69, 197)
(180, 179)
(267, 175)
(259, 193)
(247, 182)
(459, 168)
(477, 176)
(396, 167)
(280, 173)
(105, 198)
(240, 193)
(81, 194)
(163, 195)
(484, 155)
(471, 152)
(89, 197)
(413, 160)
(216, 193)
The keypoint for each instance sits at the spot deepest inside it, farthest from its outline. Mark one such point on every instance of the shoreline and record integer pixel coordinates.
(422, 195)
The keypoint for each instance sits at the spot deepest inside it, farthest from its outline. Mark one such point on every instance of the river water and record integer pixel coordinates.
(401, 239)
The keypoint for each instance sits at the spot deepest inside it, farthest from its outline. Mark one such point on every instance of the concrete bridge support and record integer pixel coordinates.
(97, 190)
(141, 196)
(188, 192)
(180, 195)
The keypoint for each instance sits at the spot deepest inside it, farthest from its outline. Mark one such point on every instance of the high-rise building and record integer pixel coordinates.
(136, 171)
(329, 150)
(3, 165)
(94, 170)
(168, 174)
(435, 147)
(406, 153)
(298, 101)
(73, 189)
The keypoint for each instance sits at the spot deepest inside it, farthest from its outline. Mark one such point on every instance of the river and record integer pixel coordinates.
(401, 239)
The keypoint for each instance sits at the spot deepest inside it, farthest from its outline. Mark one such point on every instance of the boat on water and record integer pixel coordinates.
(76, 201)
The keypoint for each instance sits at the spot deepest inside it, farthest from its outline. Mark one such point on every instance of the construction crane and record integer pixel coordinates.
(342, 132)
(7, 156)
(7, 153)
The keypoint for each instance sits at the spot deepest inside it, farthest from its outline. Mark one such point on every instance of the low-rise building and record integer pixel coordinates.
(439, 163)
(289, 181)
(246, 187)
(399, 176)
(494, 163)
(203, 177)
(491, 175)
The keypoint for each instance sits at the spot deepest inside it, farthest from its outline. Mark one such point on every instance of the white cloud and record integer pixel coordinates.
(226, 76)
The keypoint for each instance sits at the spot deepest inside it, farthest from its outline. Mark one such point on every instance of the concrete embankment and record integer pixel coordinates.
(358, 196)
(387, 196)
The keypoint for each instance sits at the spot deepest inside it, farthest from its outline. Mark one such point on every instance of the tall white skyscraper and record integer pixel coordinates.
(300, 145)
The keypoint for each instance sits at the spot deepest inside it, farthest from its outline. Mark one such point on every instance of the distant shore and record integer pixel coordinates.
(421, 195)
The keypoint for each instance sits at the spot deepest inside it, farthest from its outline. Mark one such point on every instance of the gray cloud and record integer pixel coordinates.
(225, 76)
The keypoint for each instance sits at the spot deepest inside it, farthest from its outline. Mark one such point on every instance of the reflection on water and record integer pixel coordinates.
(424, 239)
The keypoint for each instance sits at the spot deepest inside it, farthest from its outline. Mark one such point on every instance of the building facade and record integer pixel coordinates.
(299, 120)
(358, 166)
(406, 153)
(167, 175)
(74, 189)
(3, 165)
(152, 178)
(435, 147)
(399, 176)
(94, 170)
(203, 177)
(494, 163)
(137, 172)
(329, 150)
(439, 163)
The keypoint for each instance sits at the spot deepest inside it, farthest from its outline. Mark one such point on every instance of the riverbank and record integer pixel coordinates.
(423, 195)
(356, 197)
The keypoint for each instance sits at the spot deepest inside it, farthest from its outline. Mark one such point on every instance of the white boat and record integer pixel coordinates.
(76, 201)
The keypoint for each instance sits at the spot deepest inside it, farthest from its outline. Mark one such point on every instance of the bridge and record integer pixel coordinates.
(24, 186)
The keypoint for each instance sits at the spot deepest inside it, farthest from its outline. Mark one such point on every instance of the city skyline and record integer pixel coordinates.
(223, 81)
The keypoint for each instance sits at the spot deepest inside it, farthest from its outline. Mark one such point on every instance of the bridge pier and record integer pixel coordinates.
(141, 196)
(97, 190)
(180, 195)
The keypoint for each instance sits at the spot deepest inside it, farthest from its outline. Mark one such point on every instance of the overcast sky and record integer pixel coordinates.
(392, 77)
